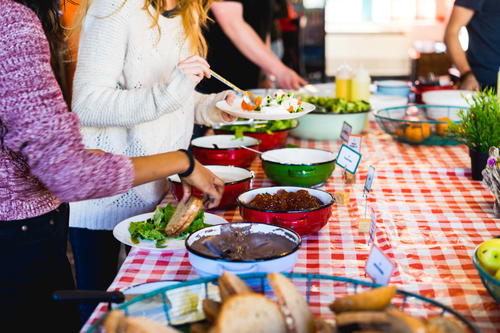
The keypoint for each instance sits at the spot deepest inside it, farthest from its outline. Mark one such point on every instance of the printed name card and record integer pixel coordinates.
(369, 179)
(355, 142)
(348, 159)
(346, 132)
(379, 267)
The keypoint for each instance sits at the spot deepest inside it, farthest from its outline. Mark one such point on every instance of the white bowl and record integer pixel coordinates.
(223, 141)
(445, 97)
(208, 265)
(298, 156)
(228, 173)
(386, 101)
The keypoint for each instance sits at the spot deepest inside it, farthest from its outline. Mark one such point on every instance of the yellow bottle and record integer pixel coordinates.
(343, 80)
(361, 85)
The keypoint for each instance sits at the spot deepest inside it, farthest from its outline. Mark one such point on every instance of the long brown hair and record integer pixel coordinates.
(194, 14)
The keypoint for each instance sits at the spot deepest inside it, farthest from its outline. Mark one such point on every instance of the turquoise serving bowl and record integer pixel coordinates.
(328, 126)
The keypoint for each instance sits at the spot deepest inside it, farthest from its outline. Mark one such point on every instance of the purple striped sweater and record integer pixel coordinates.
(42, 158)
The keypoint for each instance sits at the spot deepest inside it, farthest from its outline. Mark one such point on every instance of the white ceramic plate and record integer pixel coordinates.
(236, 110)
(122, 234)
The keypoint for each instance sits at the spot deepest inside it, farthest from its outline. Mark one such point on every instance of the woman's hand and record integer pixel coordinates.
(203, 179)
(195, 67)
(470, 83)
(227, 117)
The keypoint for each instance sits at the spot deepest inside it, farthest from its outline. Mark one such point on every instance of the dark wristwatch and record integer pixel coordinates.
(190, 169)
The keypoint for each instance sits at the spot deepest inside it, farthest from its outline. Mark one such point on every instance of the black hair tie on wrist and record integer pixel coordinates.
(190, 169)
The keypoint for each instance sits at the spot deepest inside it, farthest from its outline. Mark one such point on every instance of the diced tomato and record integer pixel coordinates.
(249, 107)
(258, 101)
(290, 109)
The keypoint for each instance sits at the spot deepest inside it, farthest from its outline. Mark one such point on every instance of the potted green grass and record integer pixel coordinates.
(479, 128)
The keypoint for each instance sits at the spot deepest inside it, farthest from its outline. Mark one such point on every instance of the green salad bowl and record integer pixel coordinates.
(298, 166)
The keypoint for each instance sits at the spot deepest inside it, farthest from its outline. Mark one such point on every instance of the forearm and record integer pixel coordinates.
(459, 18)
(455, 52)
(251, 46)
(99, 104)
(154, 167)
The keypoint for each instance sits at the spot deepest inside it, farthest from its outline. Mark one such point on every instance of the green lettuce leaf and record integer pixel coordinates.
(153, 229)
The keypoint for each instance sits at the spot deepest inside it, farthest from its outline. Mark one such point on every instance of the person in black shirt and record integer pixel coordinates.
(238, 46)
(479, 67)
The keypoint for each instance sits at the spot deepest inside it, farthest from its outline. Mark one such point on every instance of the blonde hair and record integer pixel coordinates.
(194, 15)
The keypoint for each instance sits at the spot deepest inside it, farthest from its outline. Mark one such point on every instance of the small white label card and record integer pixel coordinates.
(369, 178)
(379, 267)
(348, 159)
(346, 131)
(355, 142)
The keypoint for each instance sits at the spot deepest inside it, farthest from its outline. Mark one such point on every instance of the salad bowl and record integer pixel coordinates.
(325, 123)
(272, 134)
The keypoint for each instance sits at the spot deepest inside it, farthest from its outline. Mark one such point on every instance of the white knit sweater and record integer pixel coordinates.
(132, 99)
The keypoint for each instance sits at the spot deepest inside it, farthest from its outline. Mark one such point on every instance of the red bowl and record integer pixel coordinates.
(236, 181)
(268, 141)
(224, 150)
(303, 222)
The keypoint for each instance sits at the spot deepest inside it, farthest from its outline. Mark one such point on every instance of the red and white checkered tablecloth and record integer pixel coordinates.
(430, 217)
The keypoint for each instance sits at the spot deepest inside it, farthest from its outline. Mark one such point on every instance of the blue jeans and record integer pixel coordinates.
(34, 265)
(96, 255)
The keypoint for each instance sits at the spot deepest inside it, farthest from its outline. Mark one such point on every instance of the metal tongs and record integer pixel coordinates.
(249, 122)
(247, 96)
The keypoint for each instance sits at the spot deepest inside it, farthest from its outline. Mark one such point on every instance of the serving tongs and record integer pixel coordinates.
(98, 296)
(247, 95)
(248, 122)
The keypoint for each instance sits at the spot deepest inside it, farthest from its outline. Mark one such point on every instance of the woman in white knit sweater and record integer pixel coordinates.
(138, 64)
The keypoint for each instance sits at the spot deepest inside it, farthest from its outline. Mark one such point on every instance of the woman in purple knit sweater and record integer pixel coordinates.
(43, 163)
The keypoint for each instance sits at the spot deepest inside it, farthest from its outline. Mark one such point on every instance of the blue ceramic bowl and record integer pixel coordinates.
(393, 88)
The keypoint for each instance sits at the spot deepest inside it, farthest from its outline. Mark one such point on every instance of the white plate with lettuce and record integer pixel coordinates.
(145, 231)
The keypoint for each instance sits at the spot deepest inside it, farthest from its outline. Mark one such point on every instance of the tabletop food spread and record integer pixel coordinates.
(429, 218)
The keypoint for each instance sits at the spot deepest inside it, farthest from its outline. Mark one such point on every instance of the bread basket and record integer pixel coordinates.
(176, 303)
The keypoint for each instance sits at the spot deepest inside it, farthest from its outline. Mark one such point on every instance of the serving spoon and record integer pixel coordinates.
(246, 94)
(260, 153)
